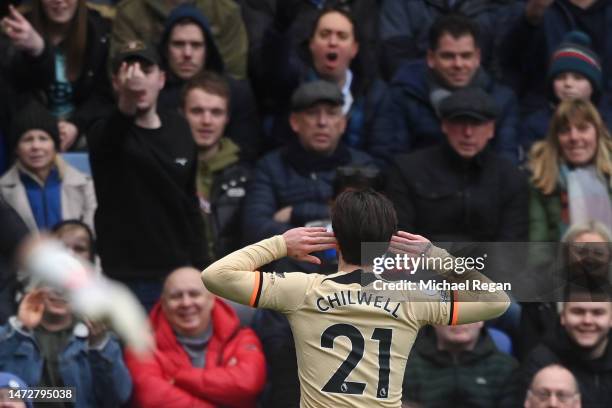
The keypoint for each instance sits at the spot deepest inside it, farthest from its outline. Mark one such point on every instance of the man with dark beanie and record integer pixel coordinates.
(144, 167)
(574, 73)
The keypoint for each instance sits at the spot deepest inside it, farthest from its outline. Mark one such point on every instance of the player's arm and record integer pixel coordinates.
(466, 306)
(236, 276)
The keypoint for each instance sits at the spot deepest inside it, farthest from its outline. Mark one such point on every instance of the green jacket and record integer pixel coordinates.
(144, 20)
(474, 379)
(549, 214)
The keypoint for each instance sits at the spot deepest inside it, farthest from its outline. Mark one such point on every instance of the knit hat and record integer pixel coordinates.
(575, 54)
(34, 116)
(9, 380)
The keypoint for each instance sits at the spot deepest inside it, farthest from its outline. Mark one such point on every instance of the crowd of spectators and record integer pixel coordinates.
(210, 124)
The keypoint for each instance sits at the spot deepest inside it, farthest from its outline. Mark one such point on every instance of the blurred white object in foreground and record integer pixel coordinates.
(93, 297)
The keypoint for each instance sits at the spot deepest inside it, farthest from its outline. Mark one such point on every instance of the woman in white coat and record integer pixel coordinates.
(40, 186)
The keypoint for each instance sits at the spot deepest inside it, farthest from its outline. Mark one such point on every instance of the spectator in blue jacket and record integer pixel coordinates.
(46, 346)
(334, 53)
(294, 184)
(574, 73)
(404, 25)
(409, 118)
(536, 33)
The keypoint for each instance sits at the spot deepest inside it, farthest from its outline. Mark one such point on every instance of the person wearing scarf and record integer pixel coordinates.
(571, 173)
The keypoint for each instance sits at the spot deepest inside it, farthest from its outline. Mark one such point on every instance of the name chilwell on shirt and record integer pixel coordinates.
(350, 297)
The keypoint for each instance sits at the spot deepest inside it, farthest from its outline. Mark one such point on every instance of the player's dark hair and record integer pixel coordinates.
(362, 216)
(457, 25)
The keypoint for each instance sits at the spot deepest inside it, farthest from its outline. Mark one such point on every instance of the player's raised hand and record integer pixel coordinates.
(409, 244)
(21, 33)
(301, 242)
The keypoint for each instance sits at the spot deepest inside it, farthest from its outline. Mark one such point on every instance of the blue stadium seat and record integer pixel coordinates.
(501, 340)
(79, 160)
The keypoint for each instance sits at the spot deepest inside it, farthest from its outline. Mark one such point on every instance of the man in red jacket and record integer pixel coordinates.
(203, 357)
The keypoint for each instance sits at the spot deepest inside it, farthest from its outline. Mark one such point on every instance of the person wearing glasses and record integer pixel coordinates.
(582, 345)
(553, 386)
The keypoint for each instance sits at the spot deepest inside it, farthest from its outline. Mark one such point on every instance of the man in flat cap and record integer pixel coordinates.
(294, 184)
(461, 190)
(144, 165)
(291, 187)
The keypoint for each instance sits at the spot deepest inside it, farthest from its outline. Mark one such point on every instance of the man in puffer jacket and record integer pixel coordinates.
(456, 363)
(203, 357)
(409, 118)
(293, 185)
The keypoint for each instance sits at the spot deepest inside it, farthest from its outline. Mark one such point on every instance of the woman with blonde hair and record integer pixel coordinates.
(571, 173)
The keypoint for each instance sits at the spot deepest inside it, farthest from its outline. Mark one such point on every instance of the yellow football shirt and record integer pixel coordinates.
(352, 342)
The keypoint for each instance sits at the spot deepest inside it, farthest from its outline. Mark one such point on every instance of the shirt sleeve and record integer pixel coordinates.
(453, 307)
(435, 307)
(236, 277)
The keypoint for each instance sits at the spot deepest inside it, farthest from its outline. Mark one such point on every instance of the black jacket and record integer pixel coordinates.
(148, 221)
(244, 125)
(475, 378)
(226, 197)
(92, 94)
(440, 195)
(594, 376)
(12, 232)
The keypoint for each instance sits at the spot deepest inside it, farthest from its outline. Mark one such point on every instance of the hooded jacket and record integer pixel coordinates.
(408, 121)
(144, 19)
(243, 122)
(234, 374)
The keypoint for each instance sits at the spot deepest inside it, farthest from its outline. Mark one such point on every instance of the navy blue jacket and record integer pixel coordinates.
(526, 50)
(277, 184)
(407, 120)
(287, 66)
(405, 24)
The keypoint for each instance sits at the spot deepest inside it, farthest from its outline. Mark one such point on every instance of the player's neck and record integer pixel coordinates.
(347, 267)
